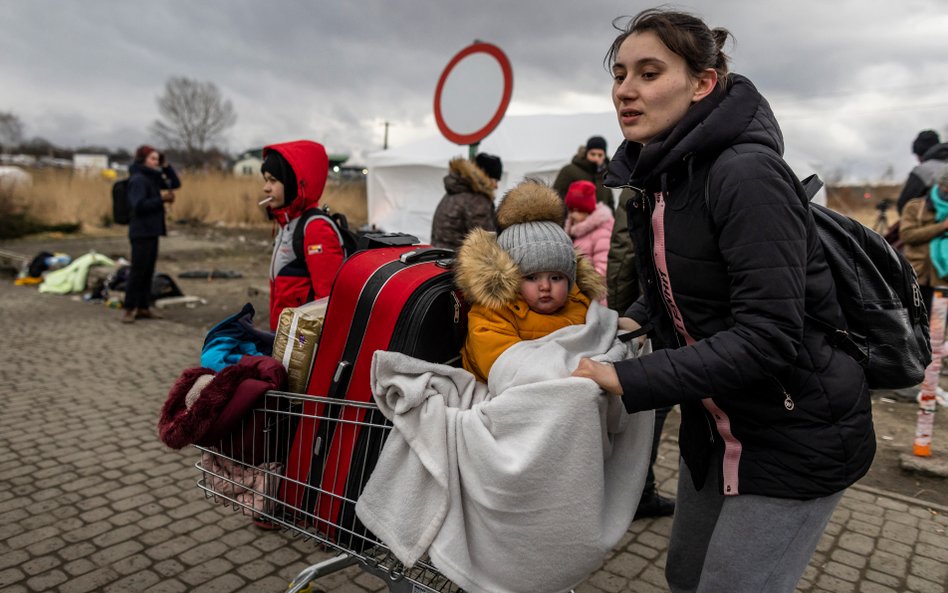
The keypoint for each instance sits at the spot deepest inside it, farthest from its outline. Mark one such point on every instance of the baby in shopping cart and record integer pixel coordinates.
(525, 282)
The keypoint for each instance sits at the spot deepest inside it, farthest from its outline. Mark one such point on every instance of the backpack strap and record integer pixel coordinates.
(811, 185)
(336, 220)
(838, 338)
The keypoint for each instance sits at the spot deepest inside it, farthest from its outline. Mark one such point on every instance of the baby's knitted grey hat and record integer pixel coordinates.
(540, 246)
(530, 221)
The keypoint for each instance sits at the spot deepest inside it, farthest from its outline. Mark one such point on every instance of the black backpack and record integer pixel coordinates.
(878, 293)
(121, 213)
(347, 238)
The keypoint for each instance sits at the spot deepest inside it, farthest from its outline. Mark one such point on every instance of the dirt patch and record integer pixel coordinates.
(247, 253)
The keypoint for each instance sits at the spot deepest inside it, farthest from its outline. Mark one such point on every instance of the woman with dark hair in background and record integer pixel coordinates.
(150, 187)
(775, 422)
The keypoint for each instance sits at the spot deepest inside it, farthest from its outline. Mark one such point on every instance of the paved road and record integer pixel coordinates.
(90, 500)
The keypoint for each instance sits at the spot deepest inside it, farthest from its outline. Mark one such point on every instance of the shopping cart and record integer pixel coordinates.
(246, 472)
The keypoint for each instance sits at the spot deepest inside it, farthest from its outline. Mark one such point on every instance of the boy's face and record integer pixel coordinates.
(545, 292)
(273, 189)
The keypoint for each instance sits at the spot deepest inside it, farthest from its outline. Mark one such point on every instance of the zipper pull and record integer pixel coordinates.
(636, 200)
(788, 402)
(457, 308)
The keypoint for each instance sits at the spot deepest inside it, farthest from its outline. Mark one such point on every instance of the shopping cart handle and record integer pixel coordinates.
(340, 379)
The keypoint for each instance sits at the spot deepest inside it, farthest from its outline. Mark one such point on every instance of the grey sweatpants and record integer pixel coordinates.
(741, 544)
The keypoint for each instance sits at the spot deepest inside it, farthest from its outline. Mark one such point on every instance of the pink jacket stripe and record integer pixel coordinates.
(732, 446)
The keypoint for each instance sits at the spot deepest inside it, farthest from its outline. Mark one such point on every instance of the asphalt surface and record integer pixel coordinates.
(91, 500)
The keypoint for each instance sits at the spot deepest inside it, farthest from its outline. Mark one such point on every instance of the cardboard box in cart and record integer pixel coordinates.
(297, 336)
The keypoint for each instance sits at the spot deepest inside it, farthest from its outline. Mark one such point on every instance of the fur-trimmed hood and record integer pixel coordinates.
(488, 276)
(465, 176)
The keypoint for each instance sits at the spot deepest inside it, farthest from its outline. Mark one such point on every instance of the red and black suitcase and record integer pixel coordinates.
(401, 299)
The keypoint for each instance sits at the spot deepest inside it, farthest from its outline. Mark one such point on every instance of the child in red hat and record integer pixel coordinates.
(589, 223)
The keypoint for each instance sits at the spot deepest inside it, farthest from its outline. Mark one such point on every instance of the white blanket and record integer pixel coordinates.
(523, 485)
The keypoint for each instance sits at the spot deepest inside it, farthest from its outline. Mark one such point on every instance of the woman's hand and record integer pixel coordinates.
(602, 373)
(630, 325)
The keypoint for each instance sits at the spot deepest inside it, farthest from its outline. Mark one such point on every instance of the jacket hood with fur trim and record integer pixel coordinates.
(465, 176)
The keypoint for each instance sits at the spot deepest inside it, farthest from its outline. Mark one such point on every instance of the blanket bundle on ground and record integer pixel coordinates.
(73, 277)
(521, 485)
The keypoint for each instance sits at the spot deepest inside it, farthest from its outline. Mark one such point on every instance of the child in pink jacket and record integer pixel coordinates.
(589, 223)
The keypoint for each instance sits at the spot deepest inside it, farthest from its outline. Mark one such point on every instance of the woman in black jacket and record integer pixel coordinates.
(776, 423)
(150, 187)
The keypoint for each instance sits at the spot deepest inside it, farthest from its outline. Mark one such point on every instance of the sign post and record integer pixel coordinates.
(472, 95)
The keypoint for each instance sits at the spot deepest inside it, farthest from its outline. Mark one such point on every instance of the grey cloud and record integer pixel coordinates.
(334, 71)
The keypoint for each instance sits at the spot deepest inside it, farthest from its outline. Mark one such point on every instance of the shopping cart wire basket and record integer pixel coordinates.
(245, 471)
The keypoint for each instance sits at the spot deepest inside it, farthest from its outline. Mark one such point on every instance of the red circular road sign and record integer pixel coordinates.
(473, 93)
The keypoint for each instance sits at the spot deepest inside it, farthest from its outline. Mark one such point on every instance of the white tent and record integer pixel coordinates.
(406, 183)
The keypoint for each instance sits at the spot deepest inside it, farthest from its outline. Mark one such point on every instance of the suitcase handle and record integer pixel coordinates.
(426, 254)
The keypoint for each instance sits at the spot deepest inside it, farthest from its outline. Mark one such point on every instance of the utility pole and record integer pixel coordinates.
(385, 140)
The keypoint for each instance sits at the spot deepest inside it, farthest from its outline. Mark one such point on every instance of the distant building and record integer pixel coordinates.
(249, 162)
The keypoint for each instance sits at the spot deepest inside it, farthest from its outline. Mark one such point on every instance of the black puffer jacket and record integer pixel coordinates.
(144, 199)
(729, 284)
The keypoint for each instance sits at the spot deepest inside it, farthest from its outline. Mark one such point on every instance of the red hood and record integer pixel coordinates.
(311, 166)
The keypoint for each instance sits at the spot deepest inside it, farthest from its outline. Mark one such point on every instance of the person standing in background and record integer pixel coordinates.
(932, 155)
(589, 164)
(589, 224)
(151, 185)
(468, 202)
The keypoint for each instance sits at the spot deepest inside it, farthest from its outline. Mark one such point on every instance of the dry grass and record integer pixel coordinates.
(62, 196)
(59, 196)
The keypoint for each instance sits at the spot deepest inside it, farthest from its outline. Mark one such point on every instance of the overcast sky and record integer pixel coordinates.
(851, 81)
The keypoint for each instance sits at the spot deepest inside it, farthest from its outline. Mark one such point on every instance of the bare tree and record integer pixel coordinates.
(11, 130)
(195, 115)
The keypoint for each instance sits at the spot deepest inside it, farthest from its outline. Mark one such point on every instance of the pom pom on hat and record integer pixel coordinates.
(596, 142)
(925, 140)
(581, 196)
(531, 232)
(490, 164)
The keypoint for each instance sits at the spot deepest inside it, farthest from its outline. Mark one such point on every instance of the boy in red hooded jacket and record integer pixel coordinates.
(294, 175)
